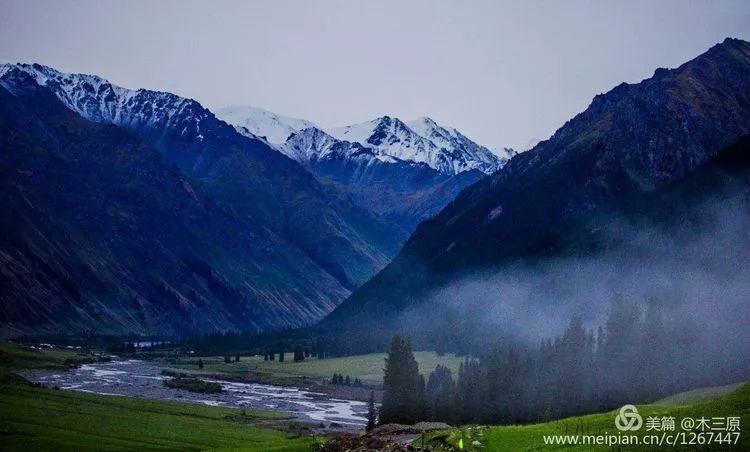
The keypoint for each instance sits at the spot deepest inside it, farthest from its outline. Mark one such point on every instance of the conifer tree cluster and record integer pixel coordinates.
(271, 345)
(339, 379)
(627, 360)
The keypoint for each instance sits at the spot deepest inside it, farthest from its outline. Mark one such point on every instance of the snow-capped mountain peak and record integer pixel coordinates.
(474, 155)
(387, 138)
(307, 144)
(390, 139)
(263, 123)
(363, 131)
(98, 100)
(423, 125)
(421, 140)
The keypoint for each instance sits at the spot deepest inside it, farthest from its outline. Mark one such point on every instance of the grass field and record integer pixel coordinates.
(14, 356)
(34, 418)
(531, 437)
(368, 368)
(699, 395)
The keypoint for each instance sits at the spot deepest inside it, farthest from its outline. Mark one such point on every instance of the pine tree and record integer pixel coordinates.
(469, 399)
(440, 394)
(320, 349)
(573, 371)
(403, 396)
(372, 415)
(620, 352)
(653, 376)
(299, 354)
(421, 401)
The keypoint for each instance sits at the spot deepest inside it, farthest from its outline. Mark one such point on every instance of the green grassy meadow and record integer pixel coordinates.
(693, 404)
(34, 418)
(368, 368)
(699, 395)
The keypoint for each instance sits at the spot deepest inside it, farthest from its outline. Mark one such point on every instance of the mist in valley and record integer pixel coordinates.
(692, 267)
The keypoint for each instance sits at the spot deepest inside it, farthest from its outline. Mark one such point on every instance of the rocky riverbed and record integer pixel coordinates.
(138, 378)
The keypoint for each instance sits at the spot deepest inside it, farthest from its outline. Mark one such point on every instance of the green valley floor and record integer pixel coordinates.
(35, 418)
(368, 368)
(717, 402)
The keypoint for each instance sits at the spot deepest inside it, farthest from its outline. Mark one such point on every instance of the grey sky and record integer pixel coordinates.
(505, 73)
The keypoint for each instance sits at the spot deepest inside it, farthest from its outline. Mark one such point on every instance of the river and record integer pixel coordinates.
(136, 378)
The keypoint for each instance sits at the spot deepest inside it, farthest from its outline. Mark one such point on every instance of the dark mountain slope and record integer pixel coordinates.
(244, 175)
(403, 194)
(102, 232)
(684, 245)
(631, 140)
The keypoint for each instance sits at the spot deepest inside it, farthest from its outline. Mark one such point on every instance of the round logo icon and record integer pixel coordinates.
(628, 419)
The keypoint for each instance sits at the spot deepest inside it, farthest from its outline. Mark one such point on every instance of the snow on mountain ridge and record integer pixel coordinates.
(276, 129)
(389, 138)
(100, 101)
(307, 144)
(421, 140)
(470, 154)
